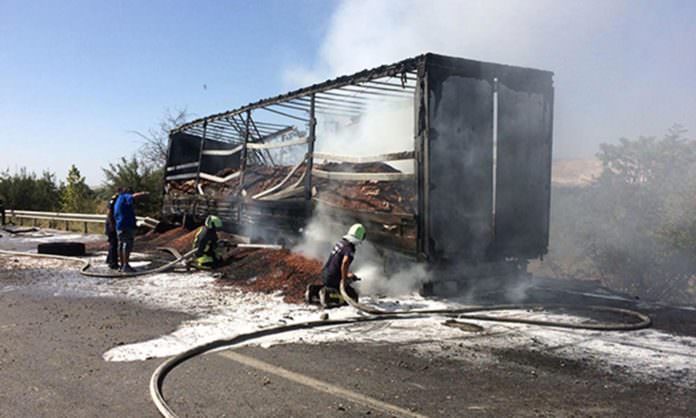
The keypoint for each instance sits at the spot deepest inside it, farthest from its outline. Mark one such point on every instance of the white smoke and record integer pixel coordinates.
(407, 277)
(570, 38)
(364, 34)
(407, 280)
(382, 128)
(319, 236)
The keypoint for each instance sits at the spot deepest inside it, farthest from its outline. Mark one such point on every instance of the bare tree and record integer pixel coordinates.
(155, 141)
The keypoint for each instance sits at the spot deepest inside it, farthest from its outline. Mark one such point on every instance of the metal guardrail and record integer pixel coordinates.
(73, 217)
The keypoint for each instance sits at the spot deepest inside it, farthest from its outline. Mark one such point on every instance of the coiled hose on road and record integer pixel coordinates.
(86, 263)
(157, 379)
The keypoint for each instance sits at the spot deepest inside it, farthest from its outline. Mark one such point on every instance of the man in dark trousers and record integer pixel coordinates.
(337, 268)
(124, 215)
(2, 212)
(110, 231)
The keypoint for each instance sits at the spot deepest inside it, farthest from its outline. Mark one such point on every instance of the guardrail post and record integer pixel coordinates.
(85, 227)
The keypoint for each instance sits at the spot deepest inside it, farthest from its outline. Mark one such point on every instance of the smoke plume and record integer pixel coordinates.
(382, 272)
(595, 48)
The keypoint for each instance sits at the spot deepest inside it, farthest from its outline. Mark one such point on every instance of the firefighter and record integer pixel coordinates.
(337, 269)
(208, 254)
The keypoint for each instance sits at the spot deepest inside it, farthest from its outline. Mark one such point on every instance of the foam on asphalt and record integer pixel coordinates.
(222, 312)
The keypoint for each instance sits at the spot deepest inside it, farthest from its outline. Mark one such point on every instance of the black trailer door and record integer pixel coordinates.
(459, 165)
(523, 170)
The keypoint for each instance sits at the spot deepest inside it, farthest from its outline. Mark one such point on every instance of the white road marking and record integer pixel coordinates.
(319, 385)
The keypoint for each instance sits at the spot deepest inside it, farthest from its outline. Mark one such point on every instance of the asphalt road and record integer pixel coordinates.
(51, 365)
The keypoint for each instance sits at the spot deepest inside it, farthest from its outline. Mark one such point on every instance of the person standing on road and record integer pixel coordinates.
(124, 216)
(110, 231)
(2, 213)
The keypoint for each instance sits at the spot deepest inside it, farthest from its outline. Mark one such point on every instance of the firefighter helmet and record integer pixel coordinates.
(356, 234)
(213, 221)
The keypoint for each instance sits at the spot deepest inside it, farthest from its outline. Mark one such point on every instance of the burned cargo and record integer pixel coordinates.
(443, 159)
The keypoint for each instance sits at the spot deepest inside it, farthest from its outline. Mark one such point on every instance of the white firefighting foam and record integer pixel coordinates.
(222, 312)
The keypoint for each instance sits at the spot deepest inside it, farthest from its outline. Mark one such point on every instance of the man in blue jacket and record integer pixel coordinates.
(124, 217)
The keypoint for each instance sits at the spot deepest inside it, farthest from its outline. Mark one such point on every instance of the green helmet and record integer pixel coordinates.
(356, 233)
(213, 221)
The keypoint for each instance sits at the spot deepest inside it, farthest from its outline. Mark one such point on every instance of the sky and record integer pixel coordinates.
(78, 77)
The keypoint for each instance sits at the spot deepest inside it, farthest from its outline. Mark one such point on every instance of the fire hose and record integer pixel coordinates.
(157, 379)
(17, 231)
(643, 321)
(86, 263)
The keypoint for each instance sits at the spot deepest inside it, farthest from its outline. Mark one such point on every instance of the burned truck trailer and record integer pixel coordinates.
(443, 159)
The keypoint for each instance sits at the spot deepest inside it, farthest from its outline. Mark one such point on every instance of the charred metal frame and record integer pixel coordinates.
(349, 97)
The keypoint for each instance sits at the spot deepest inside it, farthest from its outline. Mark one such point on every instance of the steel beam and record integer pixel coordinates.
(200, 155)
(310, 149)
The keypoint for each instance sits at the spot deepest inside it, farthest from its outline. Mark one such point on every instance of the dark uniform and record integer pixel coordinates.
(331, 273)
(110, 231)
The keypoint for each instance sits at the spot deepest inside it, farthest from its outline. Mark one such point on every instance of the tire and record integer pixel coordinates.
(70, 249)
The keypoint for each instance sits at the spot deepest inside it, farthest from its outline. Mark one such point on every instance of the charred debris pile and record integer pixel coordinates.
(259, 270)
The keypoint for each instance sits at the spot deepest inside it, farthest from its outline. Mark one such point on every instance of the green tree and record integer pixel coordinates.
(635, 226)
(77, 196)
(25, 190)
(156, 140)
(134, 174)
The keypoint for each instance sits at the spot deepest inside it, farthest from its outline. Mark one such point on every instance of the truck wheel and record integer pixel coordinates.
(70, 249)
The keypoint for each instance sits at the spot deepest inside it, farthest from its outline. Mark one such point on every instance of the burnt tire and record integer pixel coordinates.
(70, 249)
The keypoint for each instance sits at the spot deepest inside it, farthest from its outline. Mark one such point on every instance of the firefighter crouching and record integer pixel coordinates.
(208, 251)
(337, 270)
